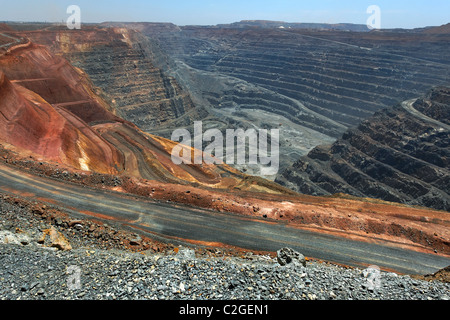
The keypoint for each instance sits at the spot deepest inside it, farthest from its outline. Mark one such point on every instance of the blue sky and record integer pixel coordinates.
(401, 13)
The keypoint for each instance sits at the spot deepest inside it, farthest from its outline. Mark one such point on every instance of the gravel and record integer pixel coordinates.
(34, 270)
(43, 273)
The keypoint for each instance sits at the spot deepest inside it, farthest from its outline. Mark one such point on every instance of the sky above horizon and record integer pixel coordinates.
(394, 14)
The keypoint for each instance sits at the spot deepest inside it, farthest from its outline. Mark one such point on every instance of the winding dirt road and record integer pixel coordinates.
(409, 106)
(184, 224)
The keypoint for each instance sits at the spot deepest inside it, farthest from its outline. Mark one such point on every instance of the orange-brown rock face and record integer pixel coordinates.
(35, 88)
(30, 123)
(49, 108)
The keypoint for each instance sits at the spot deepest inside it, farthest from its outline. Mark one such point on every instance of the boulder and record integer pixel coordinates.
(287, 256)
(57, 239)
(8, 237)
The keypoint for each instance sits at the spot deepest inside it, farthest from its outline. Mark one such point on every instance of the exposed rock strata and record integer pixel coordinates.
(49, 110)
(312, 84)
(116, 61)
(332, 76)
(401, 154)
(32, 123)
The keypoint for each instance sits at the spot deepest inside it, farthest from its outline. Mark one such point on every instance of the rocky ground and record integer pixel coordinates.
(44, 255)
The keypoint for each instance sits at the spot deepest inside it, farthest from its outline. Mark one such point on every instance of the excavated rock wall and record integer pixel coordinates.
(116, 61)
(400, 155)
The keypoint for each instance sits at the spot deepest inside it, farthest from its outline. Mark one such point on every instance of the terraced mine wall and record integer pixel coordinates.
(117, 64)
(322, 80)
(50, 113)
(344, 76)
(313, 85)
(401, 154)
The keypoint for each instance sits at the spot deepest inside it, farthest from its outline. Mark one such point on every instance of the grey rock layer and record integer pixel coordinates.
(401, 154)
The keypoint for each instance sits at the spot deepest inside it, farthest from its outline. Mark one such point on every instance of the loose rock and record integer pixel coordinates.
(287, 256)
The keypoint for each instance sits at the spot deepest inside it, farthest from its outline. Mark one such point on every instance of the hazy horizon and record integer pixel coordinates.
(401, 14)
(206, 25)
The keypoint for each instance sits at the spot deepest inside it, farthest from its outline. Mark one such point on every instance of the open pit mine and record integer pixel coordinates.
(86, 117)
